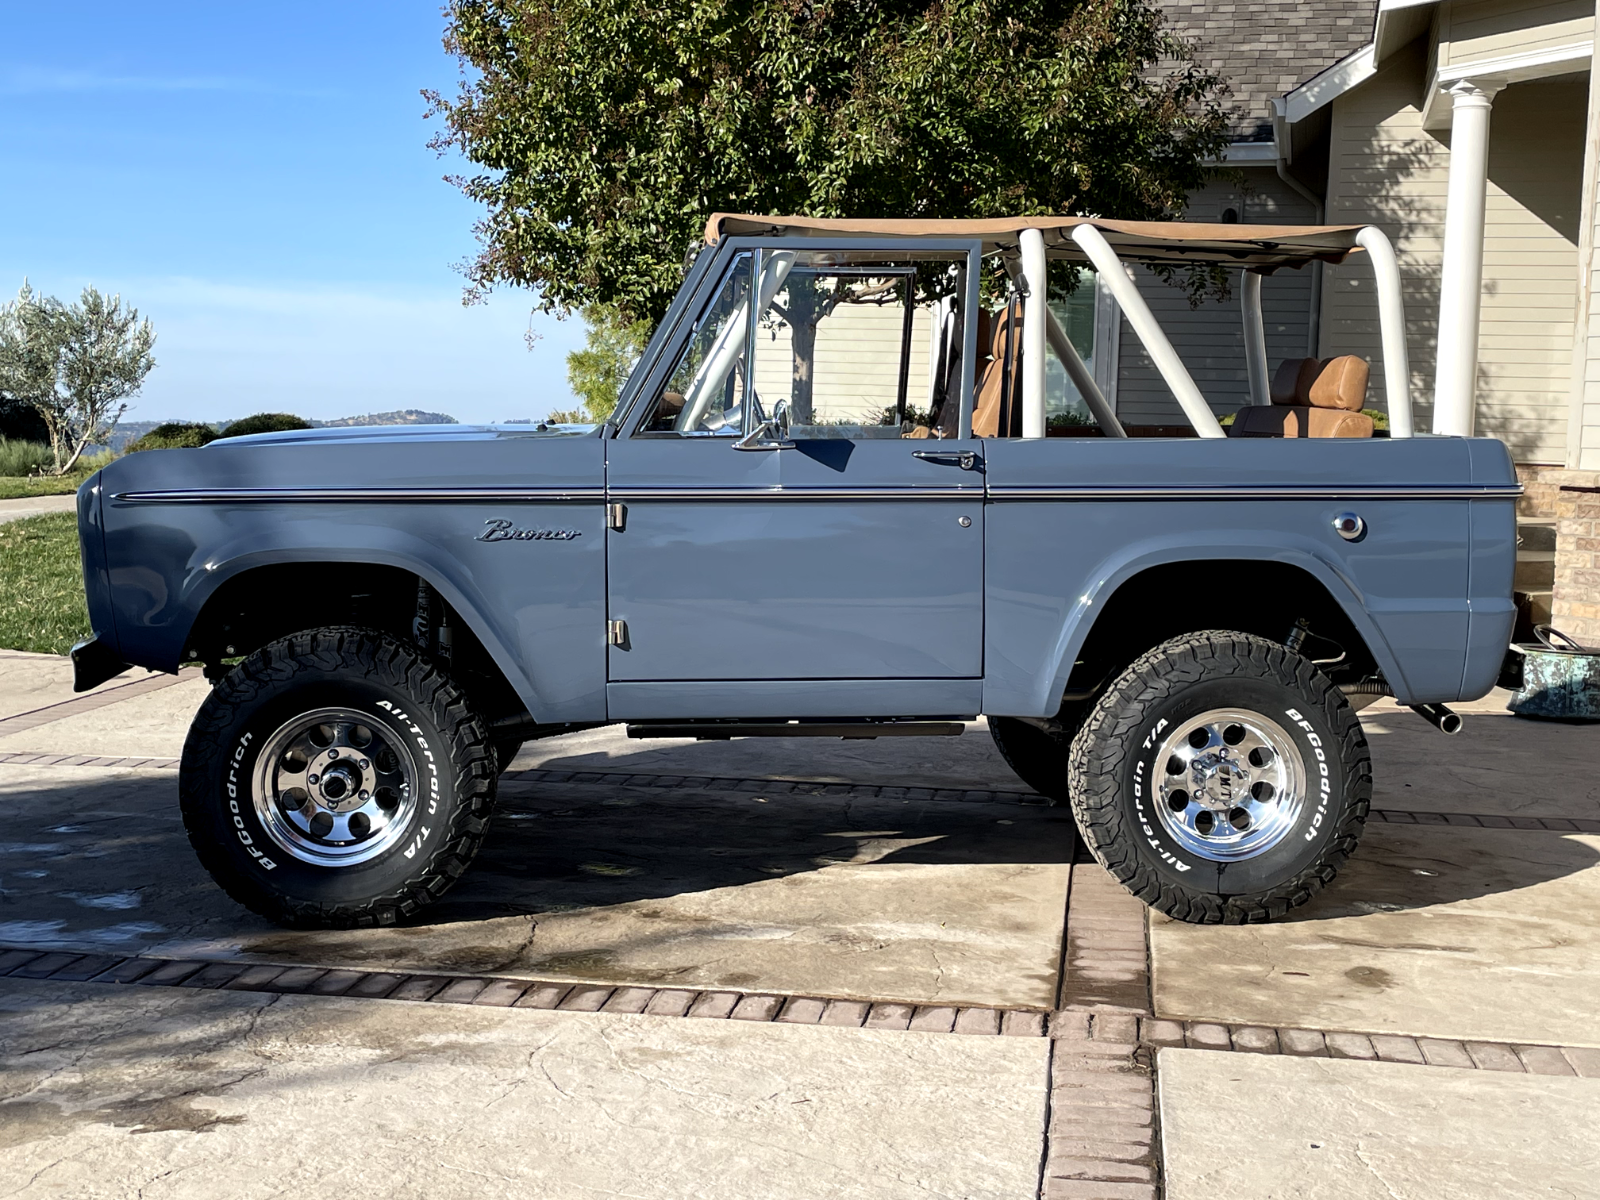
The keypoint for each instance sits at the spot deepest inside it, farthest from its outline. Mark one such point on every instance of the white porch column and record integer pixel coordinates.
(1461, 281)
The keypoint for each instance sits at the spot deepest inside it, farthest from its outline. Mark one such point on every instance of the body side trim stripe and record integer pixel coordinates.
(797, 493)
(359, 495)
(999, 493)
(1265, 492)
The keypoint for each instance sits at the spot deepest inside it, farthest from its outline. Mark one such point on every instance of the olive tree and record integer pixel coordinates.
(604, 132)
(73, 364)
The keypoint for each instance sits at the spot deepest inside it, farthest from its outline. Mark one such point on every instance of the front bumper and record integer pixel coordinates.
(93, 663)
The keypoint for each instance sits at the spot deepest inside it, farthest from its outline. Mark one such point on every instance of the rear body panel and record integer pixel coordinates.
(1071, 519)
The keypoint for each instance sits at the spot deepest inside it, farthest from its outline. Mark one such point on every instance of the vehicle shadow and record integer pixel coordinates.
(121, 875)
(1400, 868)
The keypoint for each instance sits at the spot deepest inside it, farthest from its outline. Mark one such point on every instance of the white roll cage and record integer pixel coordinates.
(1113, 275)
(1024, 249)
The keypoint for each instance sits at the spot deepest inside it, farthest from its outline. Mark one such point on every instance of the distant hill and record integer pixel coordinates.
(400, 416)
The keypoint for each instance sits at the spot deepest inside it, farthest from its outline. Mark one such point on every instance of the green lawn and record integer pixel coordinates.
(13, 486)
(41, 585)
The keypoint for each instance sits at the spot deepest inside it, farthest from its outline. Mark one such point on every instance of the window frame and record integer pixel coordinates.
(706, 278)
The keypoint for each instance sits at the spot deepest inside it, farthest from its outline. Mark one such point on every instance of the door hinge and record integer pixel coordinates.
(617, 633)
(617, 516)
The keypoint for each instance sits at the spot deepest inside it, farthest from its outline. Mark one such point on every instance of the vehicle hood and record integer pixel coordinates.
(346, 434)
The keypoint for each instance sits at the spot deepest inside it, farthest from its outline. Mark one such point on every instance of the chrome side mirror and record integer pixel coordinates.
(765, 436)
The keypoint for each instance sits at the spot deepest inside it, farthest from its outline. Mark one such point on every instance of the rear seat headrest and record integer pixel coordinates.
(1342, 383)
(1291, 382)
(1339, 382)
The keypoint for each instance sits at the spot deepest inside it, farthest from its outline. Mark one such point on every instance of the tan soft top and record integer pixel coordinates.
(1260, 246)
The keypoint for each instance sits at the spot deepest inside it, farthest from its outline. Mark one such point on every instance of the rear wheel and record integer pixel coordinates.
(1221, 779)
(336, 779)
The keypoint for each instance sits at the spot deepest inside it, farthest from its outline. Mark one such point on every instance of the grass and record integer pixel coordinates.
(13, 487)
(41, 585)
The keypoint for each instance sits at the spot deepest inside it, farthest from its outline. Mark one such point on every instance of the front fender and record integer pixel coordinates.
(536, 605)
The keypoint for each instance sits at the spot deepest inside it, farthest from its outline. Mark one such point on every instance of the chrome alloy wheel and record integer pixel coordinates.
(1230, 784)
(335, 787)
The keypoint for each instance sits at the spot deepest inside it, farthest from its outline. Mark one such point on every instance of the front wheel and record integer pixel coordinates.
(336, 779)
(1221, 779)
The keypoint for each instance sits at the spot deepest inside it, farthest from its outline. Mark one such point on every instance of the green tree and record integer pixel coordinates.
(612, 344)
(73, 364)
(606, 131)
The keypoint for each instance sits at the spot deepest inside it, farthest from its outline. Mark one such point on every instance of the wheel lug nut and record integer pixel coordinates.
(312, 778)
(332, 754)
(365, 764)
(363, 793)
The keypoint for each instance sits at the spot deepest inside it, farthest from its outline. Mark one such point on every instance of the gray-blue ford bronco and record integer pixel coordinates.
(861, 483)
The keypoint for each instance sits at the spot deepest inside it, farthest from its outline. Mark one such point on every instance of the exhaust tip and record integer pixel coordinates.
(1441, 718)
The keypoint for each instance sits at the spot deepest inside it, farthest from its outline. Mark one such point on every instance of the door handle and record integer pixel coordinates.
(967, 460)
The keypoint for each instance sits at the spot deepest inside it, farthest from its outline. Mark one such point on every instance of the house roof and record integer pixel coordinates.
(1266, 48)
(1264, 247)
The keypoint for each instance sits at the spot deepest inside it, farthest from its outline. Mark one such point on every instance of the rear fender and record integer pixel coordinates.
(1042, 692)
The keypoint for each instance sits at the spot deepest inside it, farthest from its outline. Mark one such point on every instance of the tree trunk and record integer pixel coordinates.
(804, 313)
(52, 424)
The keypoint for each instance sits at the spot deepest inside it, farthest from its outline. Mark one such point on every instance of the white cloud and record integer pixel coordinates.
(225, 350)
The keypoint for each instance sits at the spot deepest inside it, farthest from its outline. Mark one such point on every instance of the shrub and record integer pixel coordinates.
(23, 458)
(265, 423)
(175, 435)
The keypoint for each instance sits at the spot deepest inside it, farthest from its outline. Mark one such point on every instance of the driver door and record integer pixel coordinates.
(850, 549)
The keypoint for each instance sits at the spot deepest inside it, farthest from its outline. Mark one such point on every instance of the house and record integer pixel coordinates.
(1466, 130)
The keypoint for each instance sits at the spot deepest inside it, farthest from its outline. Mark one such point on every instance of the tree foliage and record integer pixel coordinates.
(73, 364)
(612, 344)
(175, 435)
(606, 131)
(265, 423)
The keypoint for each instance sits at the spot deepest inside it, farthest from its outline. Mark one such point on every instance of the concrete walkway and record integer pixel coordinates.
(841, 913)
(35, 506)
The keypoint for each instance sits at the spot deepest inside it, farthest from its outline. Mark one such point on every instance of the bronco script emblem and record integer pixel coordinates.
(502, 530)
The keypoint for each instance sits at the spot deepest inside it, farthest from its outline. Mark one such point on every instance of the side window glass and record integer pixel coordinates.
(857, 345)
(705, 392)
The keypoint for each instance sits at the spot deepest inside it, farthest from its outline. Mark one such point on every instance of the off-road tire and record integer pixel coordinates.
(505, 753)
(1113, 771)
(362, 670)
(1040, 758)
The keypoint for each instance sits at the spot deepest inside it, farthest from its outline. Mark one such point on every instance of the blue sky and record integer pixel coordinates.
(256, 180)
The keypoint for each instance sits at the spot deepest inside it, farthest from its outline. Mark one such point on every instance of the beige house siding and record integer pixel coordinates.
(1531, 266)
(1387, 170)
(1210, 339)
(1490, 29)
(856, 364)
(1584, 418)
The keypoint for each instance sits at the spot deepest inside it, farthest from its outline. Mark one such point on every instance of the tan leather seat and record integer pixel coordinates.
(1311, 399)
(994, 413)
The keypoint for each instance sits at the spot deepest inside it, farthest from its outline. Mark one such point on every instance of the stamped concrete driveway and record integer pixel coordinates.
(840, 914)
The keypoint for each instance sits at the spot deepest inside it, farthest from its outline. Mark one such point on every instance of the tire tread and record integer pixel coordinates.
(1109, 736)
(383, 659)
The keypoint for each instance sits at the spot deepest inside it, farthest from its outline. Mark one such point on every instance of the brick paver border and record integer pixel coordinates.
(1517, 1057)
(504, 992)
(22, 722)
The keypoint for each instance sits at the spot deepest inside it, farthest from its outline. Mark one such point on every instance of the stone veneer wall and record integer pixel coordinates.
(1576, 606)
(1540, 483)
